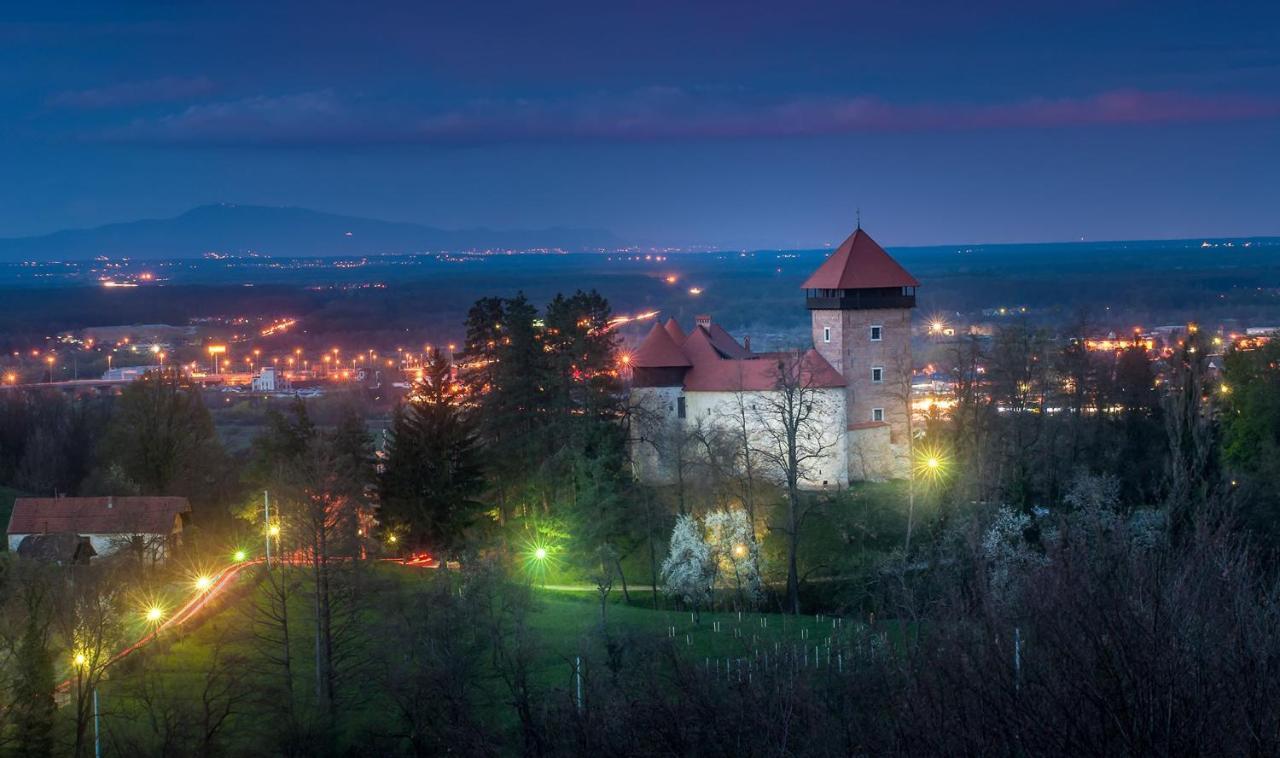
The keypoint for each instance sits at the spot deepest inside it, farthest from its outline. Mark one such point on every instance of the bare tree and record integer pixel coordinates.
(87, 618)
(792, 439)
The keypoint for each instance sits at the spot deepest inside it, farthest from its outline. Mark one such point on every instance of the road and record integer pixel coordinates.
(200, 599)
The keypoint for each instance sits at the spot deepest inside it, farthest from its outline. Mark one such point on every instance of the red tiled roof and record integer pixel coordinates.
(867, 425)
(673, 328)
(712, 373)
(859, 263)
(725, 343)
(96, 515)
(658, 350)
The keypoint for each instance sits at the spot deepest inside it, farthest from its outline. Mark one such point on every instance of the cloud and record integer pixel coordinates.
(169, 89)
(659, 114)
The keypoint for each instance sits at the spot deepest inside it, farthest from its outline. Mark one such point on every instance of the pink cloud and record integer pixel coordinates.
(661, 113)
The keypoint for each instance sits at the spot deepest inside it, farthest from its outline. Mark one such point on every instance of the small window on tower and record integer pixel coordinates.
(877, 414)
(826, 334)
(876, 332)
(680, 407)
(877, 374)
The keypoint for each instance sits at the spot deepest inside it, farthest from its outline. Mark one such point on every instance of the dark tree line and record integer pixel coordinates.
(528, 426)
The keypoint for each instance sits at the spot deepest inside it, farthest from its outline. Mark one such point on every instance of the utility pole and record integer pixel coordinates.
(97, 741)
(266, 524)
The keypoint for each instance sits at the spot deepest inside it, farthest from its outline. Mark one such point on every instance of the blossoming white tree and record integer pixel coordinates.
(688, 571)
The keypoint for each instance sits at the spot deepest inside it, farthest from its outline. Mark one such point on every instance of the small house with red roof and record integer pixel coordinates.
(857, 374)
(151, 526)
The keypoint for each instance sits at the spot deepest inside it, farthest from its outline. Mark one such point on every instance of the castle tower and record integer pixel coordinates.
(860, 302)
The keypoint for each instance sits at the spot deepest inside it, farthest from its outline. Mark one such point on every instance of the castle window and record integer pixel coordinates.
(876, 332)
(680, 407)
(877, 414)
(877, 374)
(826, 334)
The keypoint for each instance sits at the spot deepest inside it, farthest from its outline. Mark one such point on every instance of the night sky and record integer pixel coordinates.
(736, 124)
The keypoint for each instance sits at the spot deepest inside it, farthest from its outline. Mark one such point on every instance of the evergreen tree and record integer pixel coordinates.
(433, 474)
(33, 703)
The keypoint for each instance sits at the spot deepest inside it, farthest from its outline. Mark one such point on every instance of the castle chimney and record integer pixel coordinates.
(703, 320)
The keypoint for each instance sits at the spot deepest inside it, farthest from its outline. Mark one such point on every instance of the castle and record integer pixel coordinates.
(843, 404)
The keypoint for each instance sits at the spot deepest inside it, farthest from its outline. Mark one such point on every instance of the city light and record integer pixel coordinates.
(239, 556)
(540, 554)
(274, 531)
(203, 583)
(154, 614)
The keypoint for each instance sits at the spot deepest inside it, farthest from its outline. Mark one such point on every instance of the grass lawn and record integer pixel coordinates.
(565, 624)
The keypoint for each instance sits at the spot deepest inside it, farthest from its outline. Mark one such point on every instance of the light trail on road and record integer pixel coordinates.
(202, 597)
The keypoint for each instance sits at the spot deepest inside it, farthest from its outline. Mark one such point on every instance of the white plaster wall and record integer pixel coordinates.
(721, 408)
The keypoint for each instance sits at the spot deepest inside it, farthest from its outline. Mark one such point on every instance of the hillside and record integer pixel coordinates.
(282, 232)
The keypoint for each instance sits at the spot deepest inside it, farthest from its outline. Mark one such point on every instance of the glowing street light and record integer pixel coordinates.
(274, 530)
(931, 463)
(79, 660)
(203, 583)
(154, 614)
(540, 554)
(239, 556)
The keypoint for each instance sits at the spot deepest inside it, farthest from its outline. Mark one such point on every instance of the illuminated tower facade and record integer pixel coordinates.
(860, 301)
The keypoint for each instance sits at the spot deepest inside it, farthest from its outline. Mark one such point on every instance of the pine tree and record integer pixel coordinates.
(433, 474)
(33, 704)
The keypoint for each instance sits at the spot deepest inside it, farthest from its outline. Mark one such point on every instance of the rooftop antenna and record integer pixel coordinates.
(859, 218)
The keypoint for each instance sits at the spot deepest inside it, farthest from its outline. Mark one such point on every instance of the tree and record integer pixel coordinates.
(794, 440)
(688, 570)
(735, 554)
(434, 474)
(33, 703)
(162, 437)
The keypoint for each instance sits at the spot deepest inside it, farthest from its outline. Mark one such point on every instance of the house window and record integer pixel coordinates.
(877, 414)
(826, 334)
(680, 407)
(876, 332)
(877, 374)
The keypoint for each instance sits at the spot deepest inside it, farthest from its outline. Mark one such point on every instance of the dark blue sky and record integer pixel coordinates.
(719, 123)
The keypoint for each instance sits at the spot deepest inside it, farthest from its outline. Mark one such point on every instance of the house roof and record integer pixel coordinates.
(658, 350)
(673, 328)
(96, 515)
(859, 263)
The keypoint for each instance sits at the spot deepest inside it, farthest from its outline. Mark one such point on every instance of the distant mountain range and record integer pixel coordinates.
(284, 232)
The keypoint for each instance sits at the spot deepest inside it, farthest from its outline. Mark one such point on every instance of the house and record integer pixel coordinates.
(857, 374)
(151, 526)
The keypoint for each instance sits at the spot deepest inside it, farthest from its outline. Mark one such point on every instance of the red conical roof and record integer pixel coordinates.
(673, 328)
(658, 350)
(859, 263)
